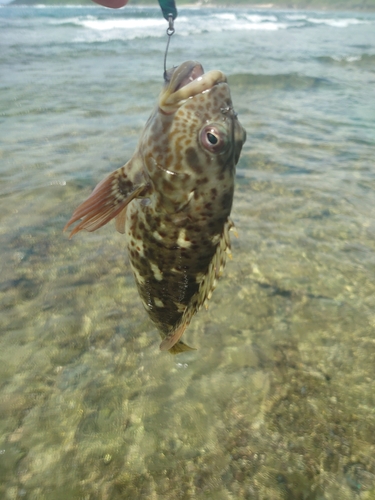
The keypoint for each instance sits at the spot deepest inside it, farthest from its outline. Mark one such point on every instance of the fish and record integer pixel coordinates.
(172, 200)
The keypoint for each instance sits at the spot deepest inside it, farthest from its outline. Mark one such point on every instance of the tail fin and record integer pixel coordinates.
(180, 347)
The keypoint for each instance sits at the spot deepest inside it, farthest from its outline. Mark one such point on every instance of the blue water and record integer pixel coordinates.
(278, 400)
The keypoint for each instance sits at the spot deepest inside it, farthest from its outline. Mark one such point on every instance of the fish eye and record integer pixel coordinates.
(214, 138)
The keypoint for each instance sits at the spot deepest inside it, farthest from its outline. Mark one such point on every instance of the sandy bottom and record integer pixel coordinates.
(277, 402)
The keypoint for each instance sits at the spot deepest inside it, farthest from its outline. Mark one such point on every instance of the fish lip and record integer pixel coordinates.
(185, 81)
(184, 74)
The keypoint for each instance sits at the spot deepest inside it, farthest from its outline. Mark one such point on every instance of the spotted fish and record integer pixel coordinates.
(173, 198)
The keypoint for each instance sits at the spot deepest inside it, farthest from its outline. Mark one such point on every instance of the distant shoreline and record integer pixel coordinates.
(341, 5)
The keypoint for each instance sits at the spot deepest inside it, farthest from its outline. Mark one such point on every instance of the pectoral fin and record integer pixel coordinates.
(120, 221)
(109, 198)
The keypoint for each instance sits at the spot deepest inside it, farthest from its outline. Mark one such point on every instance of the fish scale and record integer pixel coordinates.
(173, 199)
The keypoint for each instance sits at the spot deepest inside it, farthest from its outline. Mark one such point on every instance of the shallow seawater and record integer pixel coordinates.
(278, 402)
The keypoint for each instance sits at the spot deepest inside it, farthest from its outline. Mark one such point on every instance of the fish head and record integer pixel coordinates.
(193, 136)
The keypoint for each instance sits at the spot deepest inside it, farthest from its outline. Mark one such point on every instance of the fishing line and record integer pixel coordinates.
(168, 8)
(170, 31)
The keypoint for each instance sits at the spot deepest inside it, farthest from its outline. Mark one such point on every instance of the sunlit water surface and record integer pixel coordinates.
(278, 402)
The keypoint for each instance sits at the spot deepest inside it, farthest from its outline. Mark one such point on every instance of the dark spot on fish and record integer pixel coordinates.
(124, 186)
(203, 181)
(193, 160)
(226, 200)
(214, 193)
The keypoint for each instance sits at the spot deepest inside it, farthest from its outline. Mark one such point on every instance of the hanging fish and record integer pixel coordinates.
(173, 199)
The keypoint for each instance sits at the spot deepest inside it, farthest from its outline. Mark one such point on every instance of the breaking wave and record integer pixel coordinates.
(95, 24)
(367, 60)
(337, 23)
(288, 81)
(132, 23)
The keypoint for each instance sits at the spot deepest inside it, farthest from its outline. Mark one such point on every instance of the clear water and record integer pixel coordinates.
(278, 402)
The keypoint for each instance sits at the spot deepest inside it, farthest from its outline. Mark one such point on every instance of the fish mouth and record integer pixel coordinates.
(185, 81)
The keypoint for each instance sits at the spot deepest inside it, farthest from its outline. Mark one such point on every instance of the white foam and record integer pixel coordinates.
(93, 36)
(237, 26)
(246, 22)
(353, 58)
(256, 18)
(226, 16)
(347, 58)
(336, 23)
(130, 23)
(72, 20)
(263, 26)
(296, 17)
